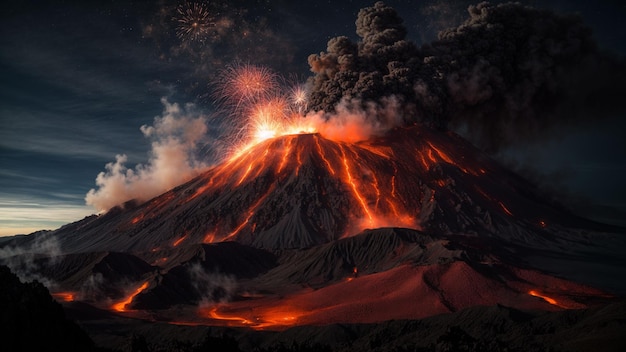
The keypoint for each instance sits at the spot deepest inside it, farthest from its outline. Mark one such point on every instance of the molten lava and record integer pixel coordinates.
(550, 300)
(64, 296)
(180, 240)
(275, 317)
(122, 305)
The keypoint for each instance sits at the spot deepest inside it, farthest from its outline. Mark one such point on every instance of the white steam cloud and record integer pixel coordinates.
(354, 121)
(175, 136)
(28, 261)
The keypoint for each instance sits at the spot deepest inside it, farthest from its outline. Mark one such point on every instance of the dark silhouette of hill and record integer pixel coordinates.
(32, 321)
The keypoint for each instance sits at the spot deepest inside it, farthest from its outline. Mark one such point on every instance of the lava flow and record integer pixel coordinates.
(550, 300)
(122, 305)
(64, 296)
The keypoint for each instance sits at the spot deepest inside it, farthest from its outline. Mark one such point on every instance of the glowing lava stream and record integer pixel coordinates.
(64, 296)
(251, 213)
(276, 317)
(121, 306)
(355, 189)
(546, 298)
(178, 241)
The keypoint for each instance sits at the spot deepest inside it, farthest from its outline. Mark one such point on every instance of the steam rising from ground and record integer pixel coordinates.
(212, 287)
(28, 260)
(175, 136)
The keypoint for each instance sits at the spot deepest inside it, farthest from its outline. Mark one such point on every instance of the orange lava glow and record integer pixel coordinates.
(546, 298)
(179, 241)
(210, 237)
(137, 219)
(121, 306)
(506, 210)
(267, 318)
(321, 153)
(250, 215)
(355, 189)
(64, 296)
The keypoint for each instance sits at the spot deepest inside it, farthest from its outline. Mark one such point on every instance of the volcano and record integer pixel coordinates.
(301, 230)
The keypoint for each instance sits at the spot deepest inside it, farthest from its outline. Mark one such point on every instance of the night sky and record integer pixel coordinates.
(79, 79)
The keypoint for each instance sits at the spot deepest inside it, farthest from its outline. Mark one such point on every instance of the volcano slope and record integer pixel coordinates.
(302, 230)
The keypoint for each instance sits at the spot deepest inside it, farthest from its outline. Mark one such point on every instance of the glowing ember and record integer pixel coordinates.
(121, 306)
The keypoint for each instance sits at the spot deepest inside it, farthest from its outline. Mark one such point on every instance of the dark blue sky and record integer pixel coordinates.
(78, 79)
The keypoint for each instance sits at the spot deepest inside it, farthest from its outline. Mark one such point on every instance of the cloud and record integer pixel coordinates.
(175, 136)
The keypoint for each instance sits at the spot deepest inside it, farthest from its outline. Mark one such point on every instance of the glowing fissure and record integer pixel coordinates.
(179, 241)
(355, 188)
(375, 185)
(393, 181)
(286, 153)
(251, 212)
(323, 156)
(121, 306)
(209, 237)
(506, 210)
(245, 174)
(201, 190)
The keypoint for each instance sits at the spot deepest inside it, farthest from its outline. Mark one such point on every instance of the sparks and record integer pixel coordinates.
(194, 22)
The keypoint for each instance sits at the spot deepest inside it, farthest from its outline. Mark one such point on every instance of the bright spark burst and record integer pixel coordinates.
(194, 22)
(259, 106)
(246, 84)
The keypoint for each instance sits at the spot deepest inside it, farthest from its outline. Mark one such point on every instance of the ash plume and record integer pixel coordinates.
(507, 75)
(175, 137)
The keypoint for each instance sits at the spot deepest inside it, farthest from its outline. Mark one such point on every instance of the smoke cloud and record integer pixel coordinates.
(508, 74)
(175, 137)
(355, 121)
(212, 287)
(28, 261)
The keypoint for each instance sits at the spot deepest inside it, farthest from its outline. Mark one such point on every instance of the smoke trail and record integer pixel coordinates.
(175, 136)
(507, 75)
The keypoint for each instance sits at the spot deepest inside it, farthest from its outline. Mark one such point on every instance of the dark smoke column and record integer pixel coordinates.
(507, 75)
(382, 64)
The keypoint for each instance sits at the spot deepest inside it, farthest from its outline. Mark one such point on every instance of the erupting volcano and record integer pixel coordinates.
(303, 230)
(347, 204)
